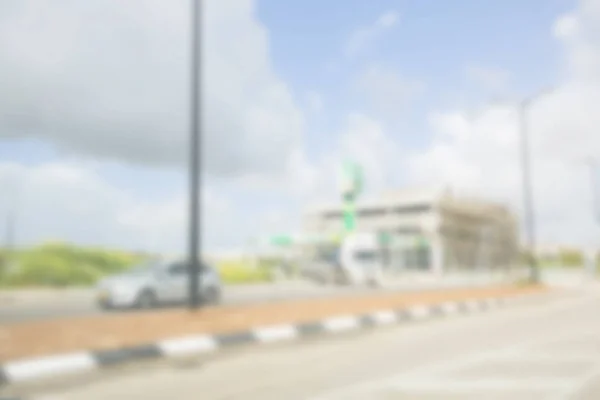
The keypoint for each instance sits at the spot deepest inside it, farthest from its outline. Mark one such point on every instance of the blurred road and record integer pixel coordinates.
(32, 305)
(81, 302)
(539, 350)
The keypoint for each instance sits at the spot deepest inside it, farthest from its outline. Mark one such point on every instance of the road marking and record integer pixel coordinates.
(188, 345)
(342, 323)
(386, 317)
(491, 303)
(275, 333)
(20, 371)
(472, 305)
(449, 308)
(419, 312)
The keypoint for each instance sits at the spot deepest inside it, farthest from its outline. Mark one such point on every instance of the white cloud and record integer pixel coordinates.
(364, 36)
(475, 153)
(109, 79)
(364, 140)
(482, 153)
(578, 32)
(566, 26)
(69, 201)
(387, 20)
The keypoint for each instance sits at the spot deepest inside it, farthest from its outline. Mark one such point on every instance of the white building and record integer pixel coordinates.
(431, 229)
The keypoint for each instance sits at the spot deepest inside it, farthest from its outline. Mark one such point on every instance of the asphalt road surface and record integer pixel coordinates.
(82, 302)
(75, 303)
(541, 350)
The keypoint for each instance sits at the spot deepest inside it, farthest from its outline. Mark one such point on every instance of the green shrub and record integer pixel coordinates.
(60, 264)
(235, 272)
(571, 258)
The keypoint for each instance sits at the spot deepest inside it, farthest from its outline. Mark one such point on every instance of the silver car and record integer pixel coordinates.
(156, 283)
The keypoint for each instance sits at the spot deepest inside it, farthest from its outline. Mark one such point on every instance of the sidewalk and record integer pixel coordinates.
(36, 339)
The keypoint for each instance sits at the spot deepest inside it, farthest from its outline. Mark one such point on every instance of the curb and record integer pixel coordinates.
(28, 370)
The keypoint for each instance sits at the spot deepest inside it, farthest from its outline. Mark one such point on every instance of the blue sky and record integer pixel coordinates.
(433, 43)
(430, 51)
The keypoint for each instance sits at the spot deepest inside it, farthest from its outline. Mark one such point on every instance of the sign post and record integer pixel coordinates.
(351, 182)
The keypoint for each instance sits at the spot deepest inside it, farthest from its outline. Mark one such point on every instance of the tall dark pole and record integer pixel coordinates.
(593, 164)
(194, 167)
(9, 240)
(10, 230)
(530, 228)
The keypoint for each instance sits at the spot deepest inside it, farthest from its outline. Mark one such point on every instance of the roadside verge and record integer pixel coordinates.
(35, 350)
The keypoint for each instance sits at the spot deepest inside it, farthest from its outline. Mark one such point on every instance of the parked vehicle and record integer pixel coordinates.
(156, 283)
(356, 260)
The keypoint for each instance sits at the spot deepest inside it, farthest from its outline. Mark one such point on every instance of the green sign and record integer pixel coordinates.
(349, 216)
(352, 183)
(352, 179)
(281, 240)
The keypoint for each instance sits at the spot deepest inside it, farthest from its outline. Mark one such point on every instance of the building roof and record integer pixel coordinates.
(416, 195)
(389, 198)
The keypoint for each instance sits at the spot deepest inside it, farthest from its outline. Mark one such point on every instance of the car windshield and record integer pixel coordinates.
(182, 266)
(140, 269)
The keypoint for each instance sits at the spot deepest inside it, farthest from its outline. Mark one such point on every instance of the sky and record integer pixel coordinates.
(94, 112)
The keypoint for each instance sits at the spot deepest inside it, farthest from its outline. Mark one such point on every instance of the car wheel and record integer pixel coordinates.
(212, 295)
(146, 299)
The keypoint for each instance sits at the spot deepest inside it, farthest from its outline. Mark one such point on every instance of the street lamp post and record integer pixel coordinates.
(9, 240)
(595, 188)
(528, 201)
(593, 164)
(523, 107)
(11, 225)
(194, 158)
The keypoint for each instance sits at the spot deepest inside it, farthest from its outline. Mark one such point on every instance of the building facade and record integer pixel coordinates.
(431, 230)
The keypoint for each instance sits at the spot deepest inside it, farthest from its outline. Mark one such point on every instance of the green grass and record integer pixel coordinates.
(237, 272)
(63, 264)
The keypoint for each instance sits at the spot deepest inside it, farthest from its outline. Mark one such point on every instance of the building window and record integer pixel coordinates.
(366, 256)
(417, 258)
(408, 231)
(372, 212)
(412, 209)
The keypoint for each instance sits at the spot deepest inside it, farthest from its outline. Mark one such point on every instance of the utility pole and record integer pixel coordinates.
(527, 182)
(593, 164)
(194, 157)
(10, 227)
(528, 201)
(523, 107)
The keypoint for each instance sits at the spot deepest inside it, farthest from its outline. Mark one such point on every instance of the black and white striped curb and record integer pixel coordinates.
(23, 371)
